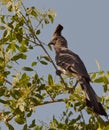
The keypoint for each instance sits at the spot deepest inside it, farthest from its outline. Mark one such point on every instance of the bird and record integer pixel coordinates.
(70, 63)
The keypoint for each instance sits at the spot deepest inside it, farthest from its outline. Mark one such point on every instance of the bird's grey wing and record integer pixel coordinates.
(68, 60)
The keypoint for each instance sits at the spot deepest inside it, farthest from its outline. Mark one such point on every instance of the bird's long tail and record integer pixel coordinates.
(91, 98)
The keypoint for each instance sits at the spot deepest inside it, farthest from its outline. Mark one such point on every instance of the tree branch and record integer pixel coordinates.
(8, 82)
(53, 101)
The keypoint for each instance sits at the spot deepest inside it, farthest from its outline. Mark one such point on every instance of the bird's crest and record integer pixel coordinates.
(58, 30)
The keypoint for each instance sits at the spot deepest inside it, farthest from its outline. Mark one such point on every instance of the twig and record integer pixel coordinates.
(55, 101)
(82, 116)
(8, 82)
(49, 95)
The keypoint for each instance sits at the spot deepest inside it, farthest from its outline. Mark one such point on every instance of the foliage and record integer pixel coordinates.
(22, 91)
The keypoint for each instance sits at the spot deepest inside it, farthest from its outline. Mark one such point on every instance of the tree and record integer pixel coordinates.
(22, 91)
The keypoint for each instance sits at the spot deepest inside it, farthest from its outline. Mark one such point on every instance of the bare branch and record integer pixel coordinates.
(82, 116)
(54, 101)
(8, 82)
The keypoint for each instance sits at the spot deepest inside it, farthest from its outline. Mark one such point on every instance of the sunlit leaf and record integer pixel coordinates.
(105, 80)
(93, 76)
(5, 1)
(34, 63)
(23, 48)
(50, 79)
(18, 56)
(20, 120)
(99, 80)
(98, 65)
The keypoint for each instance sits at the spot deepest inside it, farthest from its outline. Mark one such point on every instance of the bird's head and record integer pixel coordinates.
(57, 39)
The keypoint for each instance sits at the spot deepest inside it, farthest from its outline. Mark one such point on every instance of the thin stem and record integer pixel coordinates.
(8, 82)
(49, 95)
(54, 101)
(82, 116)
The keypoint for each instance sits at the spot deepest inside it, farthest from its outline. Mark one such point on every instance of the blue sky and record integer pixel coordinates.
(86, 28)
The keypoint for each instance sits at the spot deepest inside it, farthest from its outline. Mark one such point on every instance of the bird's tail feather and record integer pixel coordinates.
(91, 98)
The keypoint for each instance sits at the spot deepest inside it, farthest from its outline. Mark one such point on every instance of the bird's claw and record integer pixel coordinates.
(58, 72)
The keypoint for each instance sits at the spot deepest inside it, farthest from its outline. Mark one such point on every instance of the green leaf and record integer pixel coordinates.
(23, 48)
(2, 18)
(50, 47)
(12, 46)
(30, 47)
(38, 128)
(25, 127)
(9, 66)
(19, 37)
(2, 27)
(6, 73)
(15, 94)
(3, 101)
(43, 62)
(18, 56)
(34, 13)
(106, 128)
(27, 69)
(34, 63)
(46, 21)
(1, 59)
(32, 124)
(29, 114)
(50, 79)
(51, 18)
(10, 127)
(2, 91)
(47, 58)
(105, 88)
(20, 120)
(37, 32)
(39, 96)
(99, 80)
(105, 80)
(98, 65)
(93, 76)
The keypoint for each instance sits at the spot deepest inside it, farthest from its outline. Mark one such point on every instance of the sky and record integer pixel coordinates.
(86, 28)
